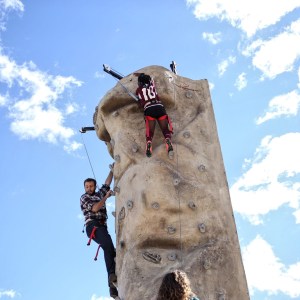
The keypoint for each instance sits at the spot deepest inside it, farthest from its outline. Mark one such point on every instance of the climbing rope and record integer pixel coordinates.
(87, 154)
(177, 170)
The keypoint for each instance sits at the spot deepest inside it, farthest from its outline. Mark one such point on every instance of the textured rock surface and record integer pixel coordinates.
(171, 213)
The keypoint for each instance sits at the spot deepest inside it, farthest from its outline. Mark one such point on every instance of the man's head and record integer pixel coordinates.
(90, 186)
(144, 79)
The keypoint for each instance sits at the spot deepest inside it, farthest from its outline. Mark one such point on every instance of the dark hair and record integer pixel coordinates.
(90, 180)
(144, 79)
(175, 285)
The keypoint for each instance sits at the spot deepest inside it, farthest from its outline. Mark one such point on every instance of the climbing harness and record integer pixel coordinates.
(148, 118)
(93, 235)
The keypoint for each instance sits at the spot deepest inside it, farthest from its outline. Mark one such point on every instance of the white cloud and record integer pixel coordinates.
(99, 74)
(94, 297)
(241, 81)
(12, 4)
(277, 55)
(222, 67)
(7, 5)
(35, 109)
(249, 16)
(3, 100)
(8, 293)
(266, 273)
(270, 180)
(299, 78)
(71, 108)
(213, 38)
(72, 146)
(283, 105)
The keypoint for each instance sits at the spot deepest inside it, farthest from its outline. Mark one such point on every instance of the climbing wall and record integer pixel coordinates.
(171, 213)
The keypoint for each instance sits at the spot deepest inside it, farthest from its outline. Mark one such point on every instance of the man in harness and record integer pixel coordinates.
(153, 111)
(93, 207)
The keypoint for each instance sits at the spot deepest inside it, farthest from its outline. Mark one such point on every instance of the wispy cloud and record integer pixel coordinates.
(8, 293)
(249, 16)
(266, 273)
(8, 5)
(283, 105)
(270, 180)
(277, 54)
(34, 99)
(213, 38)
(222, 67)
(34, 102)
(241, 81)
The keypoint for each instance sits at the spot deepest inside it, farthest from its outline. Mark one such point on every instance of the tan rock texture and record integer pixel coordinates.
(171, 213)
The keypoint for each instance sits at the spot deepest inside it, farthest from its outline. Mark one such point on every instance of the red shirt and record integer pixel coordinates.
(147, 95)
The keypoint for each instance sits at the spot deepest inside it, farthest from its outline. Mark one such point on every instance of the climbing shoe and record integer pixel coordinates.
(149, 149)
(113, 292)
(169, 147)
(112, 280)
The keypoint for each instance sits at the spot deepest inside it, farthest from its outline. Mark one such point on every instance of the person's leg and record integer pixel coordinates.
(167, 132)
(164, 126)
(103, 238)
(150, 128)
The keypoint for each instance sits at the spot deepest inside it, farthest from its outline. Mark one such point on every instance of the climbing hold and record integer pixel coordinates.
(155, 205)
(189, 94)
(206, 264)
(117, 158)
(171, 229)
(135, 148)
(202, 227)
(113, 213)
(172, 256)
(221, 294)
(122, 244)
(112, 142)
(115, 113)
(186, 134)
(176, 181)
(152, 257)
(129, 204)
(201, 168)
(116, 189)
(121, 214)
(192, 205)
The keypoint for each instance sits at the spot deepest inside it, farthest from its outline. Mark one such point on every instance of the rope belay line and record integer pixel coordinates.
(87, 154)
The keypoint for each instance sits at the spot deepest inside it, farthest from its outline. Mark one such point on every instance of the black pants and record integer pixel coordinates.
(103, 238)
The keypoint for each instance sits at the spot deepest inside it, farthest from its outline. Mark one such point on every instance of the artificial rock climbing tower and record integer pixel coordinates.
(171, 214)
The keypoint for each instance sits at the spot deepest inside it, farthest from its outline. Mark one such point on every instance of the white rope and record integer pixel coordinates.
(87, 154)
(177, 168)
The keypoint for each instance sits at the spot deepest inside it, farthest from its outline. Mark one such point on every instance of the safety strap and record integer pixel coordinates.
(148, 118)
(93, 235)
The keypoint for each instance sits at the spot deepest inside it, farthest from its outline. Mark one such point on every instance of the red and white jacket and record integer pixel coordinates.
(148, 96)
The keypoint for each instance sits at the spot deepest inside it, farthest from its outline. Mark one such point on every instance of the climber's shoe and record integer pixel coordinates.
(169, 148)
(113, 292)
(149, 149)
(112, 280)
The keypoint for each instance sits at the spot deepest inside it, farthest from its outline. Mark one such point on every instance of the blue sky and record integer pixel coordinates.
(51, 80)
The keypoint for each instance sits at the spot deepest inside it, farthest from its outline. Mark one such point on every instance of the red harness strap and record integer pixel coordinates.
(90, 239)
(147, 119)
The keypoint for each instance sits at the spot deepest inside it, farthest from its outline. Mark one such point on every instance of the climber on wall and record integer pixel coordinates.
(153, 111)
(92, 204)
